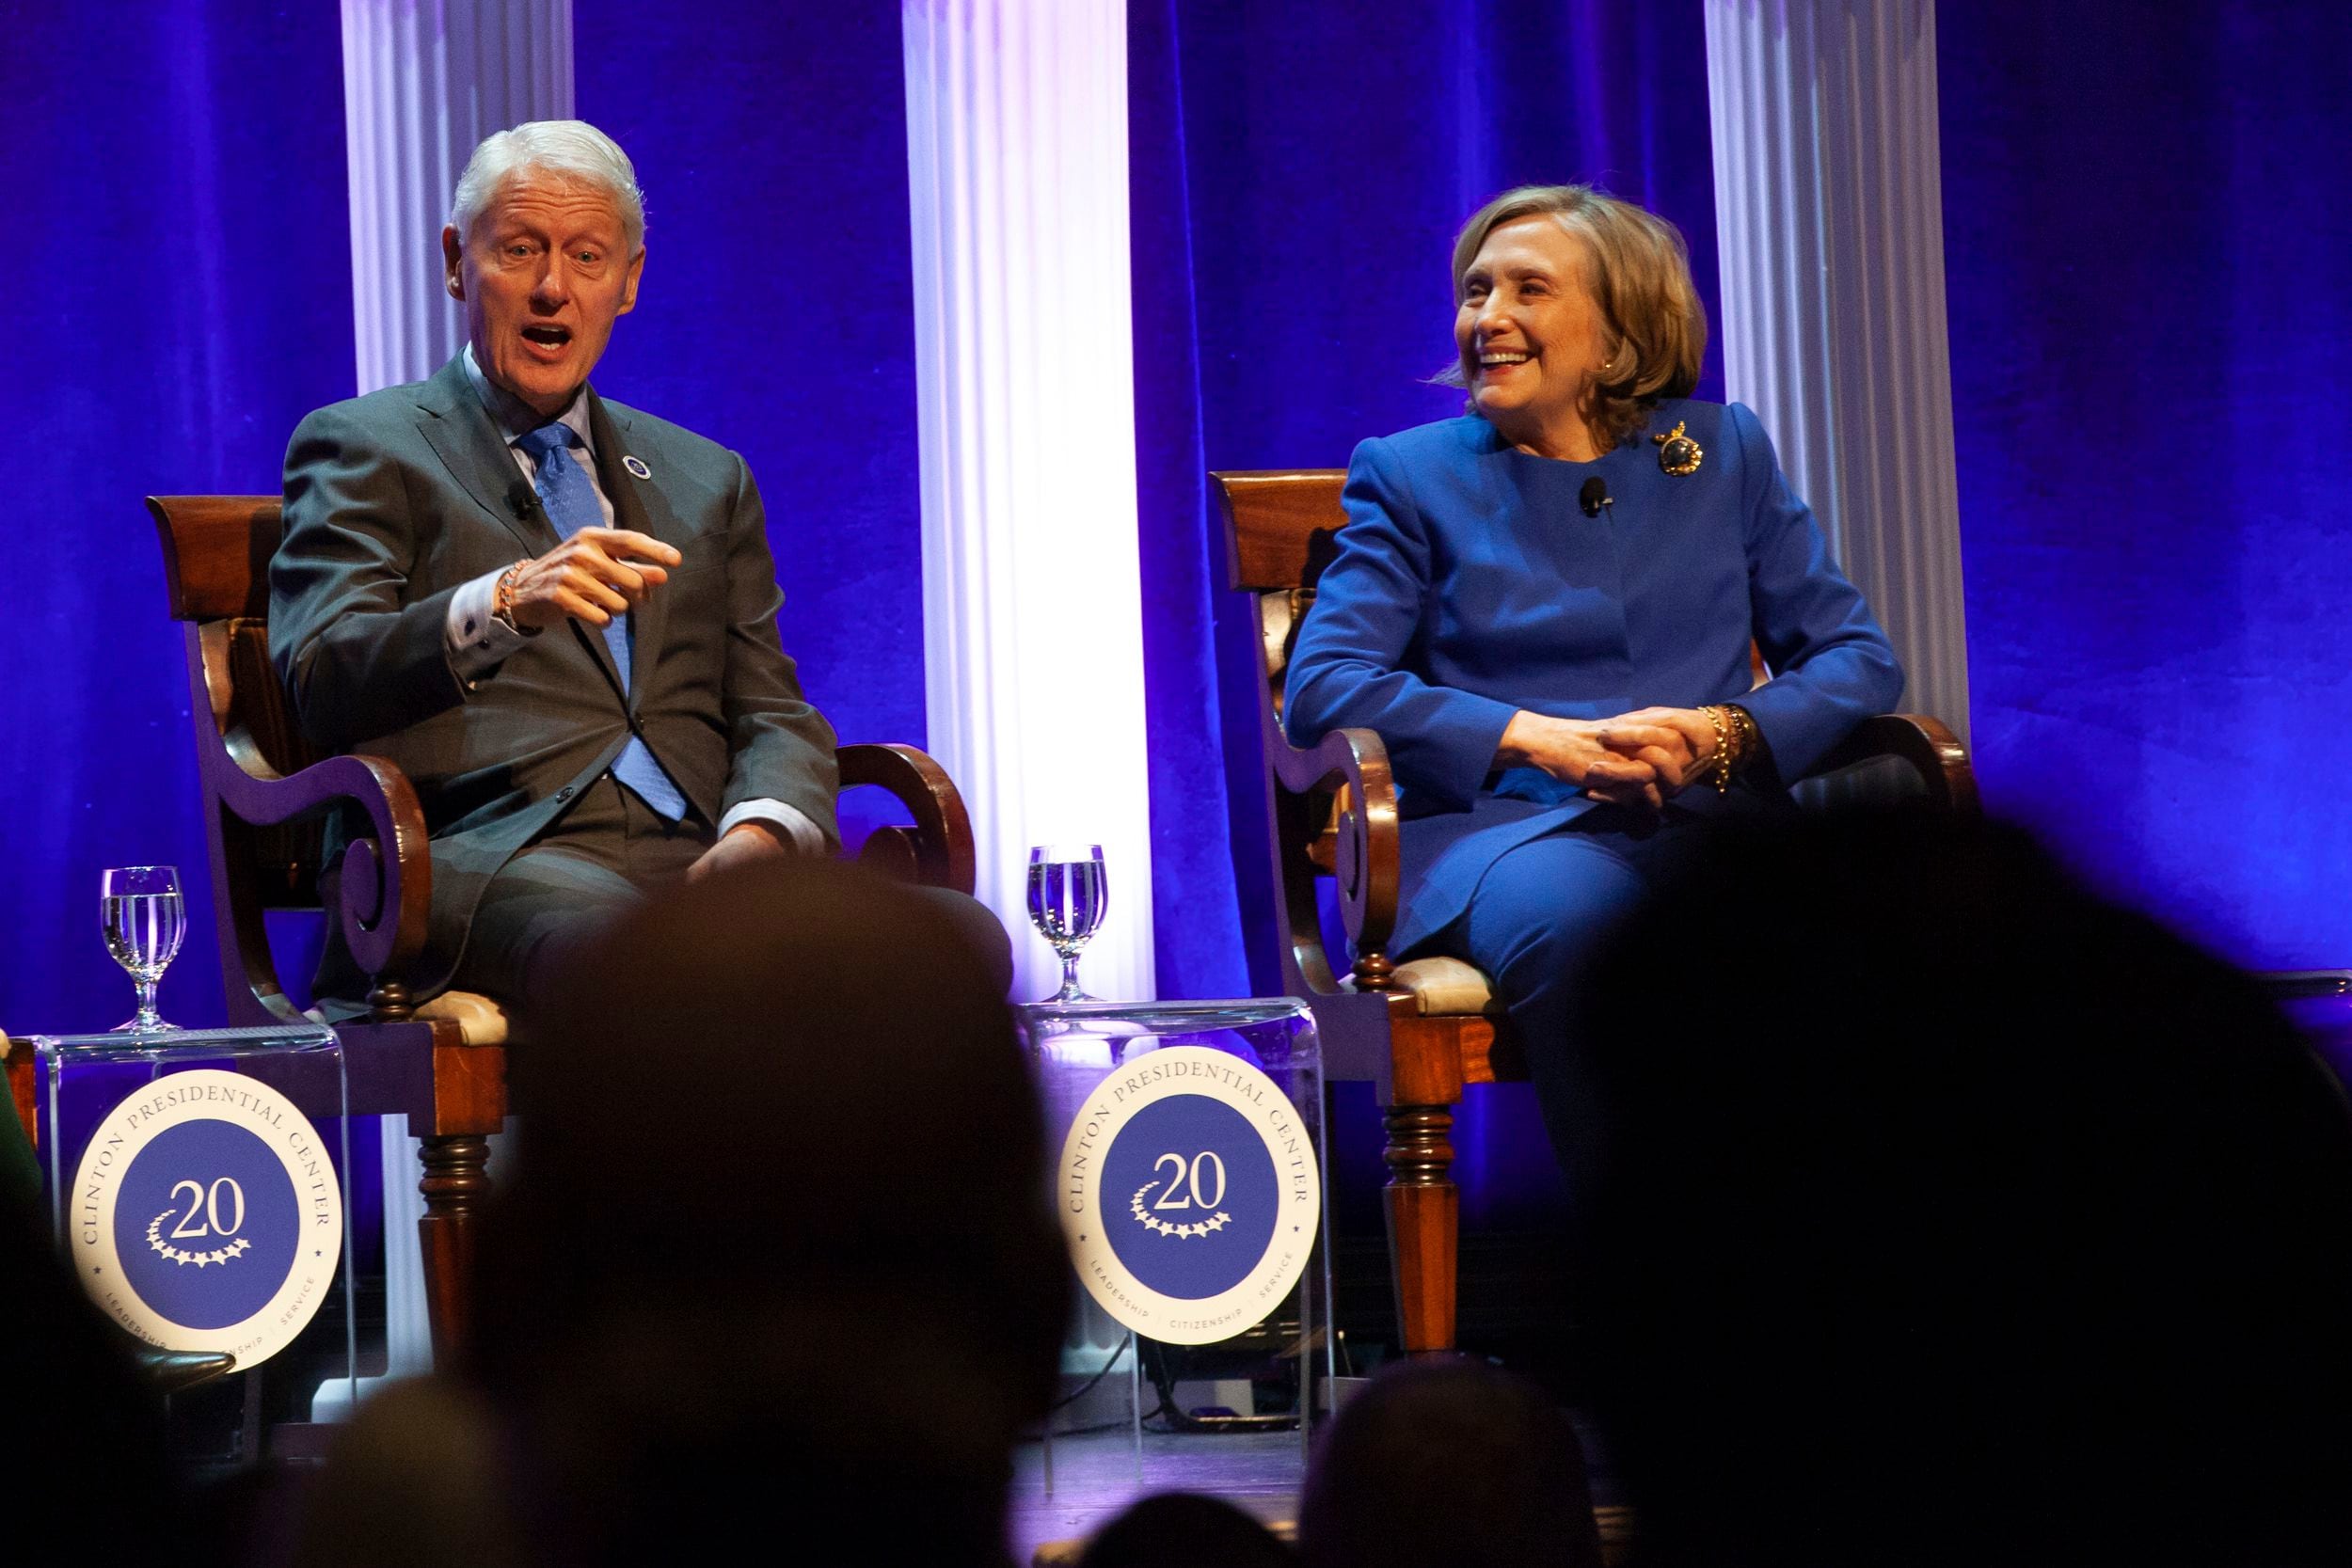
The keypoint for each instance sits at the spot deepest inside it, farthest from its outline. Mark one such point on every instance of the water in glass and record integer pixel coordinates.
(144, 920)
(1068, 895)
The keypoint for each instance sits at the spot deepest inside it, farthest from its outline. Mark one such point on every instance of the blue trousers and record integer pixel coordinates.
(1540, 911)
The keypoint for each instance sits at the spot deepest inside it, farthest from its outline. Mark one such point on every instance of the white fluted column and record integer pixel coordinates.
(424, 82)
(1830, 229)
(1017, 163)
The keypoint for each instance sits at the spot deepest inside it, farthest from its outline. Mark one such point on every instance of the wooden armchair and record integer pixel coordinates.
(1420, 1031)
(265, 796)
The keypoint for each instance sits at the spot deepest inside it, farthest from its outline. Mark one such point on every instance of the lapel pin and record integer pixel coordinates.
(1676, 453)
(637, 466)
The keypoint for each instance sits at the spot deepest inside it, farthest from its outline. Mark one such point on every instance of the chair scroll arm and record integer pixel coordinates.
(1354, 763)
(387, 882)
(1924, 742)
(938, 849)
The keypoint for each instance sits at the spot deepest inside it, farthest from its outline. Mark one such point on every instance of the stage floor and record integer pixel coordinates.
(1094, 1477)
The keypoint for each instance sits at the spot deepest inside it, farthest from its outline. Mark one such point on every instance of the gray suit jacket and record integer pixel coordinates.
(395, 500)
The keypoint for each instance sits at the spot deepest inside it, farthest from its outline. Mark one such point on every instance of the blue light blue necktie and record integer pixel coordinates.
(571, 502)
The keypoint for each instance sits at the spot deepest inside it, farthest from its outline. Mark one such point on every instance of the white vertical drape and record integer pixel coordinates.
(424, 82)
(1017, 165)
(1830, 230)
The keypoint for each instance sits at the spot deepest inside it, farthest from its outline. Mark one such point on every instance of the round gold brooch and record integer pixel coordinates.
(1676, 453)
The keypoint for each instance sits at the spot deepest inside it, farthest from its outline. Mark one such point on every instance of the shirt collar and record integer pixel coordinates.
(517, 419)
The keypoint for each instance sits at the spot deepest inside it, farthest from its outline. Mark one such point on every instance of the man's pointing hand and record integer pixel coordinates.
(594, 575)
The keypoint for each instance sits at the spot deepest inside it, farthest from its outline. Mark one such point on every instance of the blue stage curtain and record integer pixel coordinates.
(1297, 174)
(777, 310)
(2148, 235)
(181, 274)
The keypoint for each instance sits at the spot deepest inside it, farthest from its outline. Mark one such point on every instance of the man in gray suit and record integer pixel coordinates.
(557, 614)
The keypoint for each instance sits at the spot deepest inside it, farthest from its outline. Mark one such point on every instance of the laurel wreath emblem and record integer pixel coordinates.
(201, 1259)
(1161, 1227)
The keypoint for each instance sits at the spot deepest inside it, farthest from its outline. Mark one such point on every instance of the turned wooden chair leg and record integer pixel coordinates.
(456, 1181)
(1425, 1224)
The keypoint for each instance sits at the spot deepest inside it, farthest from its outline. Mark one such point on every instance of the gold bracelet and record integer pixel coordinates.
(1722, 749)
(1750, 738)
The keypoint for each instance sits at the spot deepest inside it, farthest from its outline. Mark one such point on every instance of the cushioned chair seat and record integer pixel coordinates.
(1445, 987)
(478, 1020)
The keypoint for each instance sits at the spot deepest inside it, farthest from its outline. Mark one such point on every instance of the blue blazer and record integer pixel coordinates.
(1468, 584)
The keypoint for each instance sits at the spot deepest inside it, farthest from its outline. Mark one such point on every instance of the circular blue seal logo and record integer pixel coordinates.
(206, 1217)
(1189, 1194)
(1201, 1197)
(213, 1245)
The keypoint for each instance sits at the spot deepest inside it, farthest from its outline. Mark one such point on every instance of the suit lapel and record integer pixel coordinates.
(467, 442)
(639, 504)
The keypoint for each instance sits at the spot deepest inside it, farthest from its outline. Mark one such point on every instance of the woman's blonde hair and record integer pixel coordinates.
(1640, 277)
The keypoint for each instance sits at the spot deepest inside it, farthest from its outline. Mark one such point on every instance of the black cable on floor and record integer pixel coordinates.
(1117, 1351)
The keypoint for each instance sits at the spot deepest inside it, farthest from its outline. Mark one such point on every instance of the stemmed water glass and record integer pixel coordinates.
(144, 920)
(1066, 897)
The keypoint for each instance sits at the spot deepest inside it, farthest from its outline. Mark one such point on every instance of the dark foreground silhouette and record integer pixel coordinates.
(776, 1259)
(1937, 1211)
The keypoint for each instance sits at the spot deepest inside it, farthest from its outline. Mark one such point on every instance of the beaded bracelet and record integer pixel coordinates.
(1751, 739)
(503, 601)
(1722, 749)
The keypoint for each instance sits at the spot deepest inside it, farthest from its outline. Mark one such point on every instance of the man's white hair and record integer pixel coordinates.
(571, 147)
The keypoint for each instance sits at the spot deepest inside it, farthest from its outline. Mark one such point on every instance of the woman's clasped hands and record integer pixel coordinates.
(1635, 759)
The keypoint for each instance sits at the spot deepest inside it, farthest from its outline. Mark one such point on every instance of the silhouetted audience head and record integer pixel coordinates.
(778, 1246)
(1451, 1462)
(1182, 1529)
(1938, 1212)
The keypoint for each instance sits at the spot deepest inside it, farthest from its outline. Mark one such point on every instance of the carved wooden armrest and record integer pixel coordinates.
(1352, 767)
(387, 876)
(1923, 742)
(938, 851)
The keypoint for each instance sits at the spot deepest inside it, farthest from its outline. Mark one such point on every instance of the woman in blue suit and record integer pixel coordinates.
(1545, 608)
